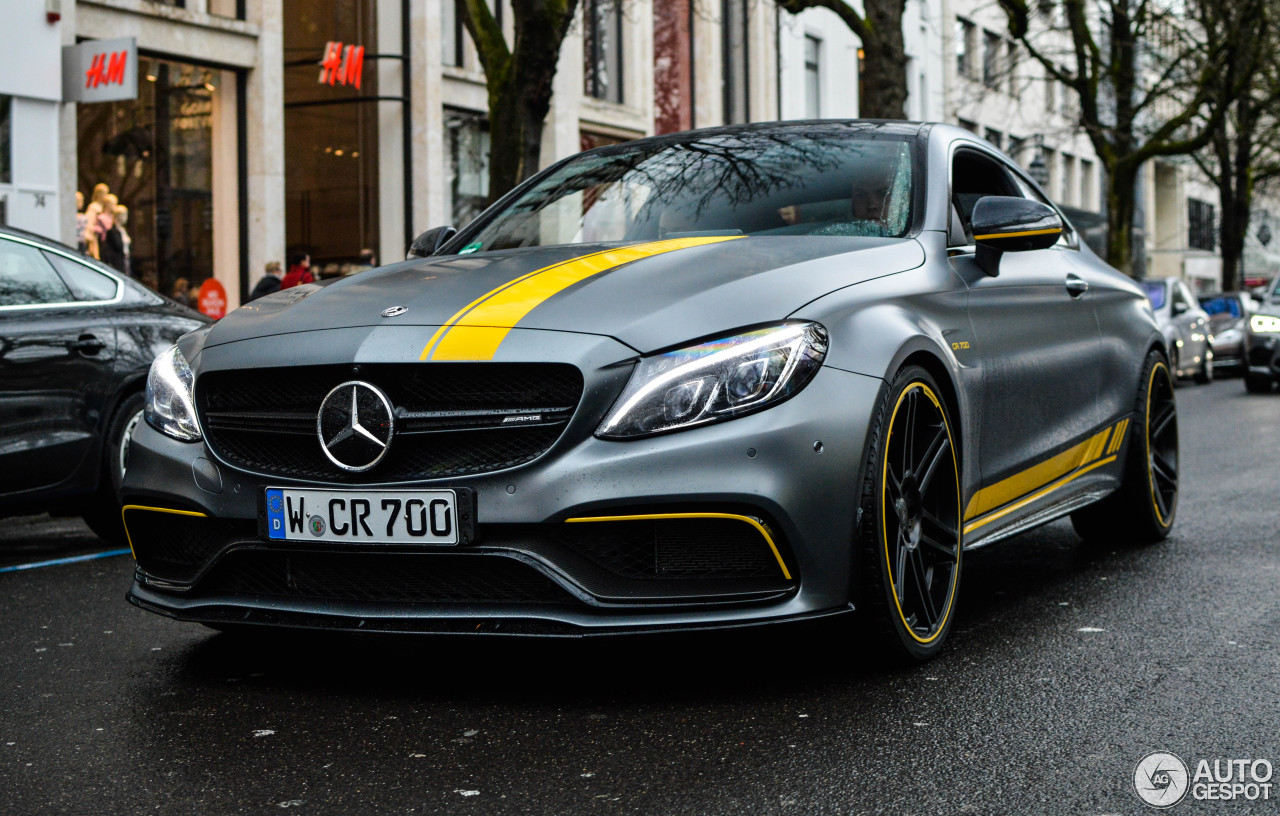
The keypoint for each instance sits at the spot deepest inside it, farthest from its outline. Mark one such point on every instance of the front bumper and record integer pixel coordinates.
(1263, 355)
(781, 552)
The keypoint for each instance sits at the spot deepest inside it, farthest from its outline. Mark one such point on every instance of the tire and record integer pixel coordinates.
(103, 513)
(1143, 509)
(1256, 384)
(1205, 375)
(908, 541)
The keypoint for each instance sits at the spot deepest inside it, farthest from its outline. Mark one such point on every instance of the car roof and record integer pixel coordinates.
(42, 239)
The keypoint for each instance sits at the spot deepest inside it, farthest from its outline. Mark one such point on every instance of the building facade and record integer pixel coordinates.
(260, 128)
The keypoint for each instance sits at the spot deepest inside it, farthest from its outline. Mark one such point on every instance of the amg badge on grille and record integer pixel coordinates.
(355, 425)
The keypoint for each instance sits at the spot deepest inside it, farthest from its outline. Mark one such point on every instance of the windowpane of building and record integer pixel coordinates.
(6, 153)
(1200, 225)
(812, 77)
(451, 34)
(1088, 195)
(733, 17)
(992, 45)
(672, 66)
(964, 47)
(995, 137)
(602, 49)
(466, 146)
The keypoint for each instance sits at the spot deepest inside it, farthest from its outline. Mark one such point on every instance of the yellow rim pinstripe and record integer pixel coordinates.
(128, 507)
(476, 330)
(884, 530)
(760, 528)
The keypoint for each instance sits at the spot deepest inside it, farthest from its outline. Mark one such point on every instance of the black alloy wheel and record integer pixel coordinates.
(1162, 444)
(912, 545)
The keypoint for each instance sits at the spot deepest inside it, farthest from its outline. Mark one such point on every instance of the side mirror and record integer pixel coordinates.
(1180, 308)
(1009, 224)
(428, 242)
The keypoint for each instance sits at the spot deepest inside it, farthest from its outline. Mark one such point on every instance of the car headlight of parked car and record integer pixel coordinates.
(170, 408)
(717, 380)
(1264, 324)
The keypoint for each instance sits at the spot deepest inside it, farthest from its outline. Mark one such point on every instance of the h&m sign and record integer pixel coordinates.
(100, 71)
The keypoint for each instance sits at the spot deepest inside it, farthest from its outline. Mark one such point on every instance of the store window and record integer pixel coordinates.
(466, 147)
(167, 161)
(602, 49)
(331, 132)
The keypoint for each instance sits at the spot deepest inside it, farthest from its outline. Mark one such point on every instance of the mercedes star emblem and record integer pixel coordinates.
(355, 425)
(395, 311)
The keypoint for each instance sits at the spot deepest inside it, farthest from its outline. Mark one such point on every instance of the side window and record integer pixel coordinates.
(85, 283)
(26, 279)
(1180, 295)
(974, 175)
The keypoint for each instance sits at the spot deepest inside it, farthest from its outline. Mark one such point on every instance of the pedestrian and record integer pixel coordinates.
(299, 271)
(270, 281)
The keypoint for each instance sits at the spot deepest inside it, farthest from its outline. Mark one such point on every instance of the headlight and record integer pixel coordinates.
(1262, 324)
(170, 409)
(715, 381)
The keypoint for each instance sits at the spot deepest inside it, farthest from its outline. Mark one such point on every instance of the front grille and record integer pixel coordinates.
(452, 419)
(382, 578)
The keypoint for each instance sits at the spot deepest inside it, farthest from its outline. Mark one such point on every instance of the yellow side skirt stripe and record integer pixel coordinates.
(476, 331)
(760, 528)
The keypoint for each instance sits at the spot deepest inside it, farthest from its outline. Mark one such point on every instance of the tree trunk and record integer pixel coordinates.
(1121, 205)
(884, 64)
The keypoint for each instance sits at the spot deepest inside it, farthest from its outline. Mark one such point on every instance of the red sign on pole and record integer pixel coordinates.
(212, 299)
(342, 65)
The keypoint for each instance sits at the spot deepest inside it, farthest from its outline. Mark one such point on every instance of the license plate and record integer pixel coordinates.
(363, 516)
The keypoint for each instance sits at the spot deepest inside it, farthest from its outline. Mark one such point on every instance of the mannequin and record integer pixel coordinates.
(122, 220)
(110, 241)
(96, 206)
(82, 221)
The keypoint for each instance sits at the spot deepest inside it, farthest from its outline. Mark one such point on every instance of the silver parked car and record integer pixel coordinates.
(1185, 327)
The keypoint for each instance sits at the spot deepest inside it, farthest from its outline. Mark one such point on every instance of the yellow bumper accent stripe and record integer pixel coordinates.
(476, 331)
(760, 528)
(128, 507)
(1020, 484)
(994, 235)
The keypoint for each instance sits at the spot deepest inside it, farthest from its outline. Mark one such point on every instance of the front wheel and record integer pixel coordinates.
(103, 514)
(1142, 510)
(1257, 384)
(1205, 375)
(909, 540)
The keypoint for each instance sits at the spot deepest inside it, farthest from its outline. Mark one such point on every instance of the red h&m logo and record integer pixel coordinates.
(102, 72)
(342, 66)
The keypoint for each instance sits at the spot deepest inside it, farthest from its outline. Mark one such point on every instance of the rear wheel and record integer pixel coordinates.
(103, 514)
(1256, 384)
(909, 539)
(1143, 509)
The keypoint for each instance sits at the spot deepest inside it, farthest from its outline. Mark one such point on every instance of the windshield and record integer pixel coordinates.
(767, 183)
(1155, 294)
(1222, 307)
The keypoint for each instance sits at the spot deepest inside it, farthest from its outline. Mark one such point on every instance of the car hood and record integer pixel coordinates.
(645, 295)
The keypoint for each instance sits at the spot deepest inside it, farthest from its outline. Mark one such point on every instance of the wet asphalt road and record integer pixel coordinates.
(105, 709)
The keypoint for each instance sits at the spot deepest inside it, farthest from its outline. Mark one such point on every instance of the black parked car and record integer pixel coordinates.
(76, 340)
(1262, 343)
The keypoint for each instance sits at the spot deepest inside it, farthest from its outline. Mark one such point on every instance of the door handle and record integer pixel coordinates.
(1076, 285)
(87, 344)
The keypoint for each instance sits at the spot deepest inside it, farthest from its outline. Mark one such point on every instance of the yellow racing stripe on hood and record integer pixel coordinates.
(476, 331)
